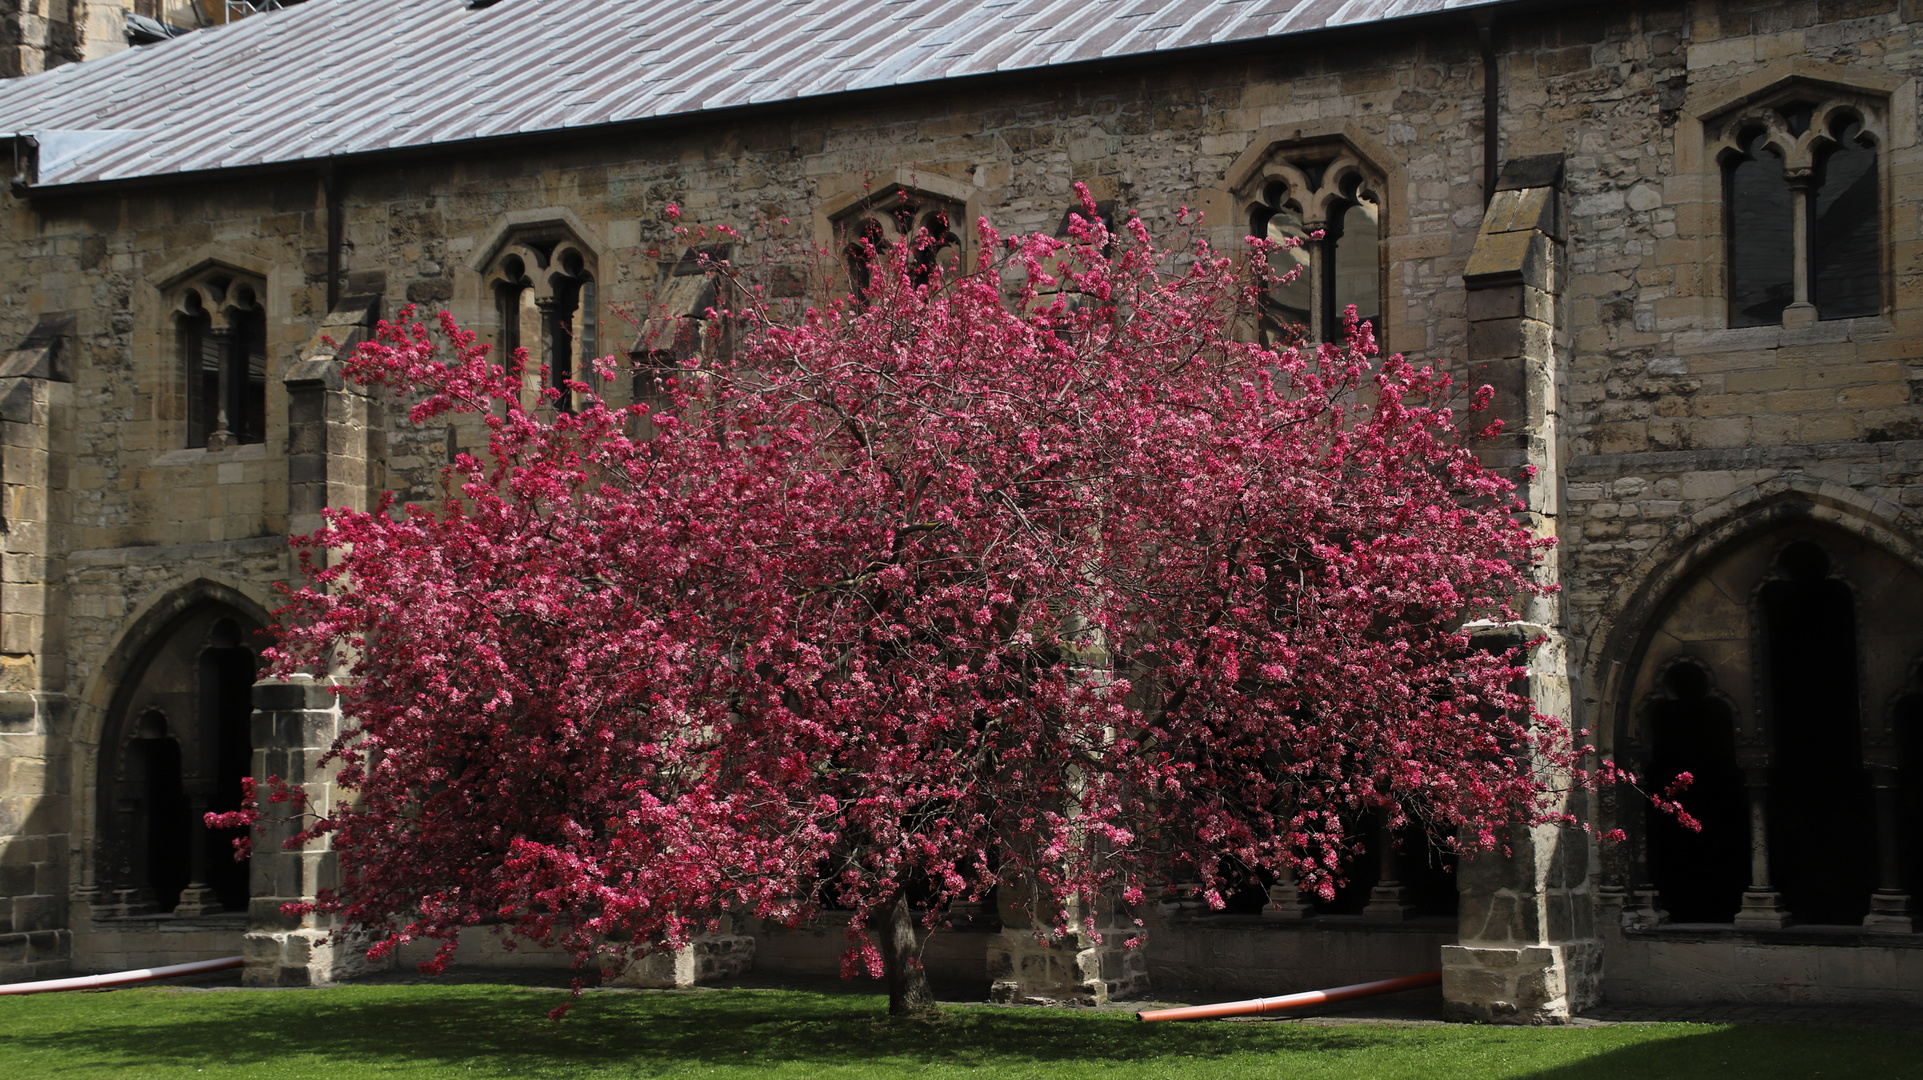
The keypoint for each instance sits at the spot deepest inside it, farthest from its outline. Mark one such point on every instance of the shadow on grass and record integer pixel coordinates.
(1752, 1053)
(494, 1028)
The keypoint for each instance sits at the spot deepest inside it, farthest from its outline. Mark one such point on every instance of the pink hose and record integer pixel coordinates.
(1257, 1006)
(122, 978)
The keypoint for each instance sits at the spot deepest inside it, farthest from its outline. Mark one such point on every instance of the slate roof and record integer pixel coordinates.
(337, 77)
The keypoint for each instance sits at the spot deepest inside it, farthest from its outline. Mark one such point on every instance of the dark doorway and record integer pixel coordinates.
(1821, 812)
(1701, 875)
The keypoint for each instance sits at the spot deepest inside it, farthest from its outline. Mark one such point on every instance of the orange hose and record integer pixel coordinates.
(1255, 1006)
(123, 978)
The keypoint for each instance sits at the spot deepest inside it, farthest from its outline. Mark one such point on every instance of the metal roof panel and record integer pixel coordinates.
(333, 77)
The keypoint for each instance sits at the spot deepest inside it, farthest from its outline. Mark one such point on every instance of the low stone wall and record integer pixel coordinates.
(104, 946)
(482, 948)
(959, 955)
(1682, 965)
(1232, 956)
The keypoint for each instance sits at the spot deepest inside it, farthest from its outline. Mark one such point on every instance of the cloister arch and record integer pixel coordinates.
(1773, 656)
(162, 735)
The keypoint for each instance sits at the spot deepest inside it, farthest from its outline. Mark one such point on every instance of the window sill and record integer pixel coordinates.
(1824, 332)
(1833, 936)
(203, 456)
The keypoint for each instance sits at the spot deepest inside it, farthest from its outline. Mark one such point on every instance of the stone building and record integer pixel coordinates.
(1682, 237)
(39, 34)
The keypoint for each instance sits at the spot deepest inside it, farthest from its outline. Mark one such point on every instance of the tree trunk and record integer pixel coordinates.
(908, 991)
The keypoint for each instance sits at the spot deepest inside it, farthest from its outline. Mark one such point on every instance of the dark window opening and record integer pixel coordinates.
(1759, 221)
(1701, 875)
(1353, 272)
(226, 373)
(1821, 811)
(1846, 228)
(652, 372)
(1105, 214)
(1289, 302)
(559, 331)
(1423, 869)
(200, 352)
(177, 745)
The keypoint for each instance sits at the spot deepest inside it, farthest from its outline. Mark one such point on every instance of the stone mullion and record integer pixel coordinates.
(224, 341)
(1800, 312)
(1320, 269)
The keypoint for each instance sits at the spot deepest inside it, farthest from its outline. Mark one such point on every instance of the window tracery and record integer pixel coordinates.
(1802, 210)
(1324, 204)
(543, 284)
(220, 328)
(899, 214)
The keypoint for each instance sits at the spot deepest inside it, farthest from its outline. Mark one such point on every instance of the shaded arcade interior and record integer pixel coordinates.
(1783, 677)
(177, 744)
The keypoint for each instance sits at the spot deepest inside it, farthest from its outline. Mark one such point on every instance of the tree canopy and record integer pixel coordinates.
(1043, 570)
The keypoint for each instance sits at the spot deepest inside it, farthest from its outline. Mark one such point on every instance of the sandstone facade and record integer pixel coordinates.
(1585, 272)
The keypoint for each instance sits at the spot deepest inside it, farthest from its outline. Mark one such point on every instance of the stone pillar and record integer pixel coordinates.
(1285, 899)
(36, 805)
(295, 722)
(1762, 905)
(1889, 904)
(1528, 950)
(1388, 900)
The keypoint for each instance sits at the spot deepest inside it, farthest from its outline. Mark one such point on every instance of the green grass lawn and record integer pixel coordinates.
(490, 1031)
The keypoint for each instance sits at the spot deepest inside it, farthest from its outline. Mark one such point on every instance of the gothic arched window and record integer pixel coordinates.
(543, 285)
(1322, 204)
(220, 329)
(872, 228)
(1802, 213)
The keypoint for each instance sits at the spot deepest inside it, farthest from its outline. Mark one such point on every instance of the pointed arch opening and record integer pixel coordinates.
(177, 741)
(1778, 674)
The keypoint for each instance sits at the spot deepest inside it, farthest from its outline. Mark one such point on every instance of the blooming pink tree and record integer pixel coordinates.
(1042, 573)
